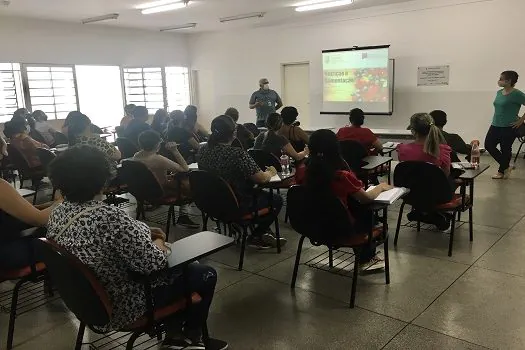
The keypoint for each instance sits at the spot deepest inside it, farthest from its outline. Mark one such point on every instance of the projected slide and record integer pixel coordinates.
(356, 78)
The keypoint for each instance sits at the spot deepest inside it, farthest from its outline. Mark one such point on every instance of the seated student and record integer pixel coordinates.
(150, 142)
(453, 140)
(192, 125)
(356, 132)
(243, 135)
(270, 141)
(176, 132)
(236, 167)
(112, 243)
(24, 143)
(17, 214)
(80, 132)
(19, 115)
(128, 116)
(430, 147)
(160, 121)
(137, 125)
(325, 170)
(65, 127)
(42, 126)
(297, 137)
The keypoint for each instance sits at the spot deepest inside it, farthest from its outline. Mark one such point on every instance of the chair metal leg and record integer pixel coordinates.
(168, 222)
(131, 340)
(204, 221)
(286, 215)
(418, 226)
(80, 336)
(297, 260)
(330, 257)
(354, 280)
(399, 222)
(452, 229)
(459, 215)
(278, 235)
(205, 334)
(173, 216)
(518, 153)
(471, 223)
(12, 314)
(387, 261)
(243, 246)
(35, 188)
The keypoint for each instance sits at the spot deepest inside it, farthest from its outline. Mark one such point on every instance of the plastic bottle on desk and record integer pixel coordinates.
(475, 154)
(285, 163)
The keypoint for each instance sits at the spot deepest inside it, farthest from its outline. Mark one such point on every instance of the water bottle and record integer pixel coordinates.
(475, 154)
(285, 163)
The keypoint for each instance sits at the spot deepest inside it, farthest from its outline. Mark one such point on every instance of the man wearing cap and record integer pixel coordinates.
(265, 102)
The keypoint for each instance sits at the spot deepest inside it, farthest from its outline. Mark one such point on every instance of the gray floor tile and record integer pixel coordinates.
(435, 243)
(258, 313)
(416, 338)
(506, 254)
(483, 307)
(415, 282)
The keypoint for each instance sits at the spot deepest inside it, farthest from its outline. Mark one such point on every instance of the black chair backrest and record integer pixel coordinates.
(321, 217)
(78, 286)
(60, 139)
(141, 182)
(126, 147)
(428, 184)
(37, 136)
(46, 156)
(214, 196)
(252, 128)
(265, 159)
(353, 152)
(17, 158)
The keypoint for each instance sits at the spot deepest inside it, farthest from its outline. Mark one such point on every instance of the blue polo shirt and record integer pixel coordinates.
(270, 98)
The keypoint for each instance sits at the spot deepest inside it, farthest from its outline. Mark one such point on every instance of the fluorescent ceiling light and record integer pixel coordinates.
(181, 26)
(165, 8)
(148, 5)
(100, 18)
(310, 2)
(243, 16)
(323, 5)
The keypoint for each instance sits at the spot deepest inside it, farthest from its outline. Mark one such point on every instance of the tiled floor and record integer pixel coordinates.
(472, 300)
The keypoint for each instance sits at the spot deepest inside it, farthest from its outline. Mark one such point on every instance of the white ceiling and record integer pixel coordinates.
(204, 12)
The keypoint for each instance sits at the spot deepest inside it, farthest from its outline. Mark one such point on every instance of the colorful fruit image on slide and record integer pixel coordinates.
(356, 85)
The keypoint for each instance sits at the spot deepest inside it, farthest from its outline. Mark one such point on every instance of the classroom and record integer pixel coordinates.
(244, 174)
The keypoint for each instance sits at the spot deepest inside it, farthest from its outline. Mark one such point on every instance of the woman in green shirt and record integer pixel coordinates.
(505, 122)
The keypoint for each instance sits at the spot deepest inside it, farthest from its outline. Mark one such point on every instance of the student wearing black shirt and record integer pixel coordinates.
(453, 140)
(243, 135)
(176, 132)
(138, 125)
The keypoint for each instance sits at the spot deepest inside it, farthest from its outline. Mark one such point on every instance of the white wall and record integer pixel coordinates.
(478, 39)
(36, 41)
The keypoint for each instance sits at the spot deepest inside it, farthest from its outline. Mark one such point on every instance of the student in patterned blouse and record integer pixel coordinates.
(236, 167)
(111, 243)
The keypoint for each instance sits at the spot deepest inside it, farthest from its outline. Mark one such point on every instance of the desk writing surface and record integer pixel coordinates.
(471, 174)
(196, 247)
(374, 162)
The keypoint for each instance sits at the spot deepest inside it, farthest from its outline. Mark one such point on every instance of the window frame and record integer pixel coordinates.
(26, 88)
(18, 88)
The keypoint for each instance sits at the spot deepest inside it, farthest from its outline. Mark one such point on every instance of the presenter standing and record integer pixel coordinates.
(505, 122)
(265, 101)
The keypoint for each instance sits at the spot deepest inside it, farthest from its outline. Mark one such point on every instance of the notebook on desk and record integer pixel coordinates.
(462, 165)
(390, 196)
(391, 144)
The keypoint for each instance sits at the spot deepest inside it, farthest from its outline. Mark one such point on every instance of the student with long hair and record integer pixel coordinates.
(430, 146)
(160, 121)
(176, 132)
(192, 124)
(236, 167)
(505, 121)
(326, 171)
(276, 144)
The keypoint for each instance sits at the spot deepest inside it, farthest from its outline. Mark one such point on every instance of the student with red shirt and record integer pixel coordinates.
(430, 146)
(326, 170)
(356, 132)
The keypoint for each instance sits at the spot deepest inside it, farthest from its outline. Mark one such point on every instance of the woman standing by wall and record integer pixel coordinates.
(505, 122)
